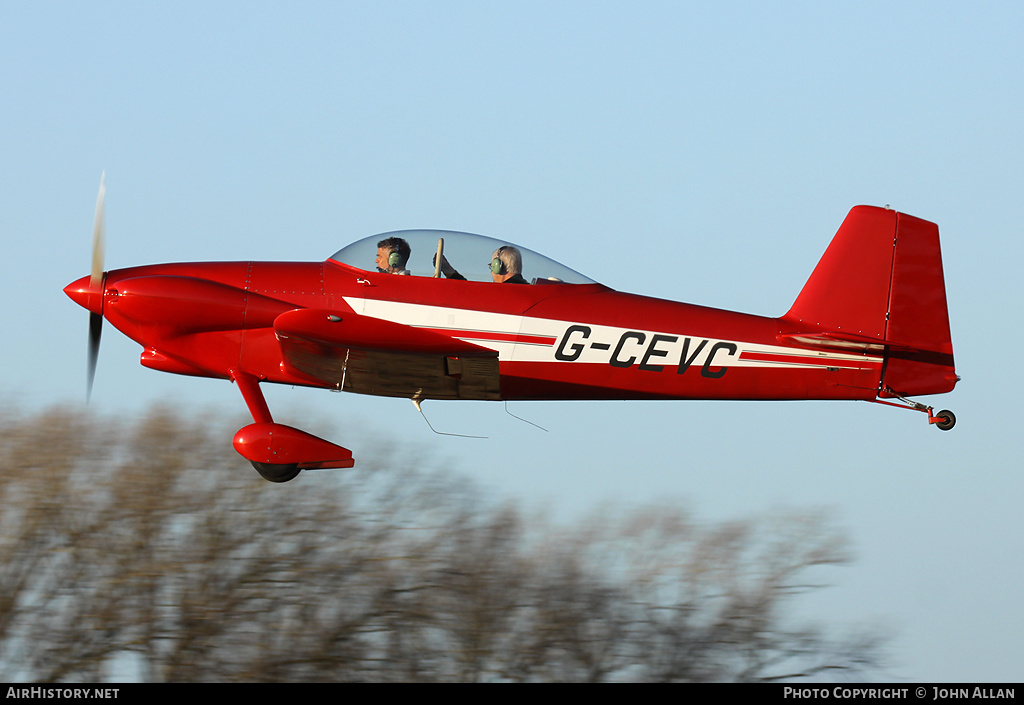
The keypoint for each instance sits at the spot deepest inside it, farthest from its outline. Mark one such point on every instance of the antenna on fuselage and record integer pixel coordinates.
(523, 420)
(416, 402)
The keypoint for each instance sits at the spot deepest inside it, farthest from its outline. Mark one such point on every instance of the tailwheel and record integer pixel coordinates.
(944, 420)
(276, 472)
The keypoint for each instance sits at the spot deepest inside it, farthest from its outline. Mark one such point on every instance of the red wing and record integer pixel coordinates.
(374, 356)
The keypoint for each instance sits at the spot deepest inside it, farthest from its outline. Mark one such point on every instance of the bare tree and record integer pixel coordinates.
(149, 550)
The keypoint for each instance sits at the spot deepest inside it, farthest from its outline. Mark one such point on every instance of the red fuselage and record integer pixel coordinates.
(555, 341)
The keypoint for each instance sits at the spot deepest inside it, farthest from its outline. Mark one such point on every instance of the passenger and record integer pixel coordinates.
(506, 266)
(392, 256)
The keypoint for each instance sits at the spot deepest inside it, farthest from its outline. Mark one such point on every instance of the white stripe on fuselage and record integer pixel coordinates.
(572, 341)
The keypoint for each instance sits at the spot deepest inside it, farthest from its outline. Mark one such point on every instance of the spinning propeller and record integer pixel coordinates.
(96, 284)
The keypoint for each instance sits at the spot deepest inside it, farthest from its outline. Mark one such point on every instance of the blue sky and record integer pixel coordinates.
(693, 151)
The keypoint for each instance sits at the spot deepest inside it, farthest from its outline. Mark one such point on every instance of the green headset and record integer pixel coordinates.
(497, 266)
(394, 259)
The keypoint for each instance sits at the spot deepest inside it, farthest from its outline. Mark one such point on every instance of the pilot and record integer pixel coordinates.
(506, 266)
(392, 256)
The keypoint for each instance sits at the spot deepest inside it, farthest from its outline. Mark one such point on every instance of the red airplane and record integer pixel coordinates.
(871, 323)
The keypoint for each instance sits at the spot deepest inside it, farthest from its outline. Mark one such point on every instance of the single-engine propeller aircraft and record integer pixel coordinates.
(870, 324)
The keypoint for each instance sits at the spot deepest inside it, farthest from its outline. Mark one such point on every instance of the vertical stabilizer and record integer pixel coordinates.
(848, 292)
(880, 283)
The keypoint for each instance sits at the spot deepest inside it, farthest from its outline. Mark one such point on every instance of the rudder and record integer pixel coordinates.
(918, 315)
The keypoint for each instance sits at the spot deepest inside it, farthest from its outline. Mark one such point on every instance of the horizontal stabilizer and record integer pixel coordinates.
(835, 340)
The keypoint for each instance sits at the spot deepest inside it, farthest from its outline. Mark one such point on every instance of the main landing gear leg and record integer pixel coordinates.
(944, 420)
(278, 452)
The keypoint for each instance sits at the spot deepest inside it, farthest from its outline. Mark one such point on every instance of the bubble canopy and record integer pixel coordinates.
(469, 254)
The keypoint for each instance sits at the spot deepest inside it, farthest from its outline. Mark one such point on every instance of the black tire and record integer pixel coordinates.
(948, 420)
(273, 472)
